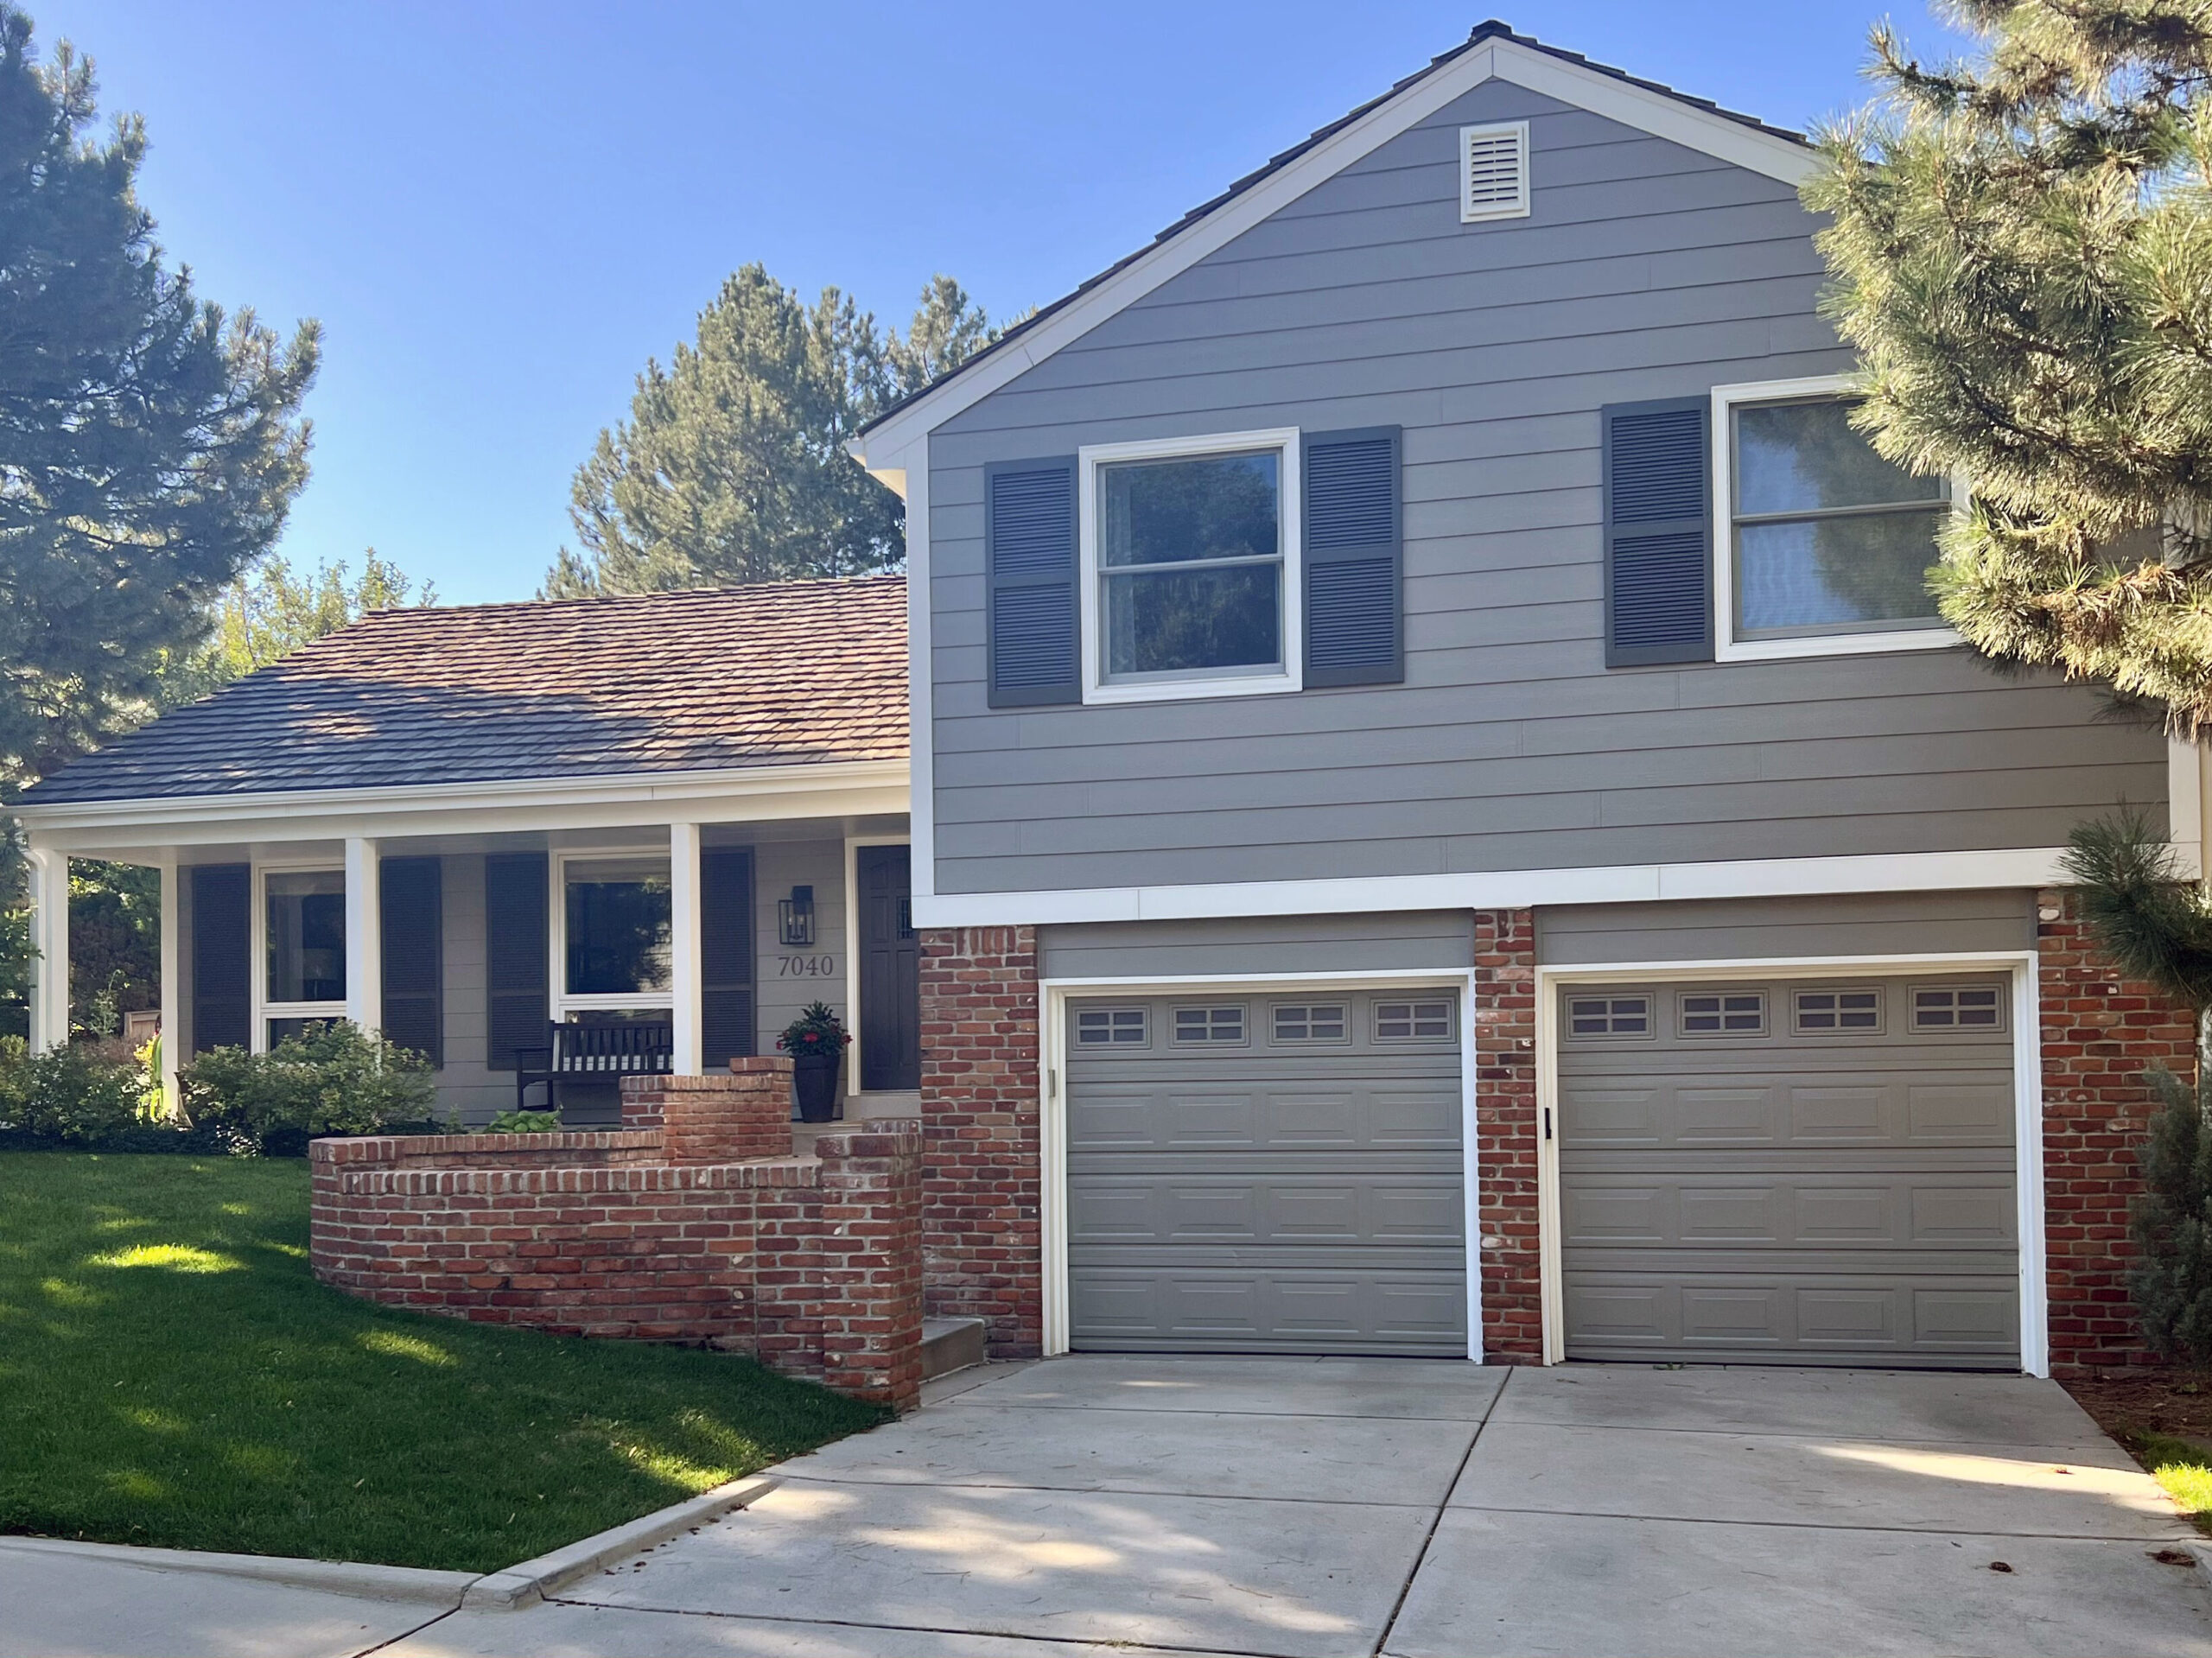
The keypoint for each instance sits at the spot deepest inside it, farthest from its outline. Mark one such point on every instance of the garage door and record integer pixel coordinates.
(1802, 1172)
(1266, 1174)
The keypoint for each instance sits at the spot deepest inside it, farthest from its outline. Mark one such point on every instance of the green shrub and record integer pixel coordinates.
(2170, 1220)
(85, 1096)
(525, 1122)
(331, 1079)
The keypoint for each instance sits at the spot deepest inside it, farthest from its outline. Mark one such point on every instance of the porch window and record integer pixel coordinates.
(617, 921)
(303, 929)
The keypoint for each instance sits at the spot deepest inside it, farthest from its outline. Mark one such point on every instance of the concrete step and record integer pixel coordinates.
(950, 1344)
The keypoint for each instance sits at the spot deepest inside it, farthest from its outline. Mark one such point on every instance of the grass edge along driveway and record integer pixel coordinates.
(171, 1374)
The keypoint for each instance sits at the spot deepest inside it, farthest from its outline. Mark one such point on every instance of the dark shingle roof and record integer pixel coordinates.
(1482, 33)
(787, 674)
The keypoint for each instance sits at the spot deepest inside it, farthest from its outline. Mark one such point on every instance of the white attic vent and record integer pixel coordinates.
(1494, 172)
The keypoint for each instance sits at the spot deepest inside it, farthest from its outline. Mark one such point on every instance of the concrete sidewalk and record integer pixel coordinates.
(1323, 1506)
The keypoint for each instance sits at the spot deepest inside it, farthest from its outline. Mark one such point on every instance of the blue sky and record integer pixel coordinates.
(499, 210)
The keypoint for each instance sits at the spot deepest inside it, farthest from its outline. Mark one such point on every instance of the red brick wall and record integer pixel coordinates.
(981, 1243)
(839, 1266)
(1505, 1134)
(718, 1118)
(811, 1263)
(2100, 1034)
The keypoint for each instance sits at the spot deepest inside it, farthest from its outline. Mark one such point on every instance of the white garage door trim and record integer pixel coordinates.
(1052, 1107)
(2027, 1076)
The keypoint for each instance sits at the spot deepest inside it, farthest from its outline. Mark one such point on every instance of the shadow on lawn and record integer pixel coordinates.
(176, 1377)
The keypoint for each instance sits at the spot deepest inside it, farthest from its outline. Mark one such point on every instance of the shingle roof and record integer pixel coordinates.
(787, 674)
(1482, 33)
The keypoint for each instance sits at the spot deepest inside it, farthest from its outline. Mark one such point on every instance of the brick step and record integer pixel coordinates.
(950, 1344)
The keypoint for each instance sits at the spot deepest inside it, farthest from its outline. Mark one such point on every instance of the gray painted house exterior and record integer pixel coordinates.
(1645, 270)
(1783, 883)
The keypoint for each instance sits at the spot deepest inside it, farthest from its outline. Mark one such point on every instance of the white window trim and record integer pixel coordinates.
(257, 934)
(1726, 647)
(1470, 212)
(1291, 677)
(558, 999)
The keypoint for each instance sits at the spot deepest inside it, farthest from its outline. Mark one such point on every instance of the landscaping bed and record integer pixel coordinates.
(174, 1376)
(2164, 1417)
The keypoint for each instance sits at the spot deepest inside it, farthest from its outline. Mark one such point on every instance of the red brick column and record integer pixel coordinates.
(1505, 1135)
(982, 1241)
(722, 1117)
(2100, 1034)
(870, 1299)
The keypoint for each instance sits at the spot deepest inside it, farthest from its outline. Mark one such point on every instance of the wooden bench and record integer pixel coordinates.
(576, 1053)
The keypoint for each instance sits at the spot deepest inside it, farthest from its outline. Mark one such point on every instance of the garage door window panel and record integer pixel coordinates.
(1210, 1027)
(1856, 1009)
(1725, 1013)
(1302, 1023)
(1960, 1008)
(1593, 1018)
(1112, 1027)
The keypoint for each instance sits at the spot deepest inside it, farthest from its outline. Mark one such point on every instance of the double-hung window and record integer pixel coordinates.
(1190, 567)
(1824, 546)
(304, 950)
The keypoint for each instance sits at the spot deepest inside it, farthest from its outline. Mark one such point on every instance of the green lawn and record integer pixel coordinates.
(171, 1374)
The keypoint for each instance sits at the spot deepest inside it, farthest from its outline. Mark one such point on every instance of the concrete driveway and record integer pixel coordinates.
(1324, 1507)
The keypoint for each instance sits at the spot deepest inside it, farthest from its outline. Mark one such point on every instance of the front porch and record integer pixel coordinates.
(707, 909)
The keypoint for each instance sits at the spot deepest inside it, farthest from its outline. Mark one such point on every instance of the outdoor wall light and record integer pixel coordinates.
(795, 917)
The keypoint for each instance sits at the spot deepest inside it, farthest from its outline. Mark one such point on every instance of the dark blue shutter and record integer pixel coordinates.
(1658, 533)
(1029, 562)
(222, 971)
(517, 983)
(1355, 626)
(726, 997)
(410, 894)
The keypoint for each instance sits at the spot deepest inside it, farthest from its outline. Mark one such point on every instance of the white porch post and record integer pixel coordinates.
(49, 897)
(686, 967)
(364, 935)
(172, 981)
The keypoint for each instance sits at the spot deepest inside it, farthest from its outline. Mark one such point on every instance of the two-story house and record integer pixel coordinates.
(1445, 820)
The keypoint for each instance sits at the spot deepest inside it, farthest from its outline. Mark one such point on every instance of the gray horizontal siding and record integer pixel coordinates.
(1645, 270)
(1421, 941)
(1719, 929)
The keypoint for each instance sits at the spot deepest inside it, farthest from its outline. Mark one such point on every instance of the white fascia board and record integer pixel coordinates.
(1503, 889)
(1585, 88)
(851, 788)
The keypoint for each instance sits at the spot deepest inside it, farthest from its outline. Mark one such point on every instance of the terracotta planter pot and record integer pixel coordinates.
(814, 1082)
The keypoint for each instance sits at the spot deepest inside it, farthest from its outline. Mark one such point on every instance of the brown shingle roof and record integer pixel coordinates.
(787, 674)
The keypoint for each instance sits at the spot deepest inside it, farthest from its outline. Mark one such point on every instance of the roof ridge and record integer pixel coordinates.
(657, 596)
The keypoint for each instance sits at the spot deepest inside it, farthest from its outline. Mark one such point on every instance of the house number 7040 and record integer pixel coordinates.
(806, 967)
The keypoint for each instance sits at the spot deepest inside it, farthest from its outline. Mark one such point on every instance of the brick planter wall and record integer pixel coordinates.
(2100, 1034)
(982, 1239)
(1505, 1135)
(811, 1263)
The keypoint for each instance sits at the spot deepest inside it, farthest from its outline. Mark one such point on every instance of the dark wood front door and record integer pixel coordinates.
(891, 981)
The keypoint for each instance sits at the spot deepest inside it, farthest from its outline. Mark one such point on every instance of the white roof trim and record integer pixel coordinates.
(882, 450)
(624, 788)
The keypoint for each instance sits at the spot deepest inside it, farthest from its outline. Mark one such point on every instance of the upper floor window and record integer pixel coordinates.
(1190, 567)
(1825, 546)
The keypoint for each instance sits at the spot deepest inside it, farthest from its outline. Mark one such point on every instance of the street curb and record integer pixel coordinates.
(445, 1589)
(532, 1581)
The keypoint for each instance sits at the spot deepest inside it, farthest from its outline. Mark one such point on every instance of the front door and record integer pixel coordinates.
(891, 978)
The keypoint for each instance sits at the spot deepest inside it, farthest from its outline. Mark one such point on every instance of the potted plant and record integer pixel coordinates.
(816, 1041)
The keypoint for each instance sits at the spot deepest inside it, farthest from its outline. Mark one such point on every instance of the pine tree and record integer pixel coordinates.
(732, 467)
(150, 447)
(2022, 253)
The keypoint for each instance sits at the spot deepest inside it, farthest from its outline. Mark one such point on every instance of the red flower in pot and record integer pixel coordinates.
(816, 1041)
